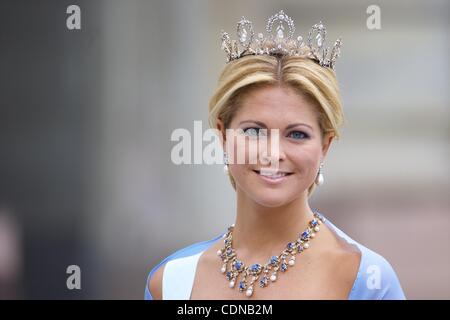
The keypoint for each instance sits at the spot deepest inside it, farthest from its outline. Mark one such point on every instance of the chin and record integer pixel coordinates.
(271, 203)
(272, 198)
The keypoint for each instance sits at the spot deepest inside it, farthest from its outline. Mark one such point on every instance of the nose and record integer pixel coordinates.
(274, 152)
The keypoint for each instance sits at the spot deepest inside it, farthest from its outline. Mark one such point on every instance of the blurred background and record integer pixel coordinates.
(86, 118)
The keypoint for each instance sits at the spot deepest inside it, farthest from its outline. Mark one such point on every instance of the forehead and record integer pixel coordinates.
(275, 104)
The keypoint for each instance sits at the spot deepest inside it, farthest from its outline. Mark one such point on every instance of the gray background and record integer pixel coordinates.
(86, 118)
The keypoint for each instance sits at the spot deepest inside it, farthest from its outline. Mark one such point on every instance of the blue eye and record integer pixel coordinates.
(298, 135)
(253, 132)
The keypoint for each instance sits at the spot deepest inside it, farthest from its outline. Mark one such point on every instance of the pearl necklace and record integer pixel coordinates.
(232, 267)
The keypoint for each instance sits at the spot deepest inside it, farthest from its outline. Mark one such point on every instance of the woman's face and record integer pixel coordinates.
(297, 149)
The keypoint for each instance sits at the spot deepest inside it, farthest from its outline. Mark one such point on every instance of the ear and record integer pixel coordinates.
(326, 142)
(221, 127)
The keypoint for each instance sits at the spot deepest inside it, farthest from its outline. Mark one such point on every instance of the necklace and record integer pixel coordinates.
(233, 267)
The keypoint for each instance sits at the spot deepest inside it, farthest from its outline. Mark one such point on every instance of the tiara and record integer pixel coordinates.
(280, 42)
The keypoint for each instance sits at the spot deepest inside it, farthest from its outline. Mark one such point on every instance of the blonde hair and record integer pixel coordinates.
(307, 77)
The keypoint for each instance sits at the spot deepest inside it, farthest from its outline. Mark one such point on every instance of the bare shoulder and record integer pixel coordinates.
(345, 259)
(155, 283)
(209, 257)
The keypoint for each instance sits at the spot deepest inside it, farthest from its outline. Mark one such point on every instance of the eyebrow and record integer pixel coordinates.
(287, 128)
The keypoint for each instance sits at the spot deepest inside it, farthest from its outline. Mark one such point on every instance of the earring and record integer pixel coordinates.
(319, 179)
(225, 161)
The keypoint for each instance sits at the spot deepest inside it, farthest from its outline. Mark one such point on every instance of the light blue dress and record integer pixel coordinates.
(376, 279)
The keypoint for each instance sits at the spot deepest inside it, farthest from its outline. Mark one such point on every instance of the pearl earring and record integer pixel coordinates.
(319, 179)
(225, 161)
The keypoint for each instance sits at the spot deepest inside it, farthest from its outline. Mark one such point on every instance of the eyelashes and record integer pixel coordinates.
(257, 132)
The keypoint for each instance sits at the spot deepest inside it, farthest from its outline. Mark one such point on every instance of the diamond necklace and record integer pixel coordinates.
(233, 268)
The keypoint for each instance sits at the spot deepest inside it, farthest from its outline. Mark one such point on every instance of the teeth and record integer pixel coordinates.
(273, 176)
(271, 173)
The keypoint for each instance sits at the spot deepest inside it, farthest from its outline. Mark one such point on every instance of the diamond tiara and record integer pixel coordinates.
(279, 41)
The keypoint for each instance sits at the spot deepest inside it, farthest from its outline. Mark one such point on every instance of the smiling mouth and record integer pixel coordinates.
(272, 174)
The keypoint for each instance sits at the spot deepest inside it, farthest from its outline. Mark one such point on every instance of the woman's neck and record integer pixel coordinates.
(263, 231)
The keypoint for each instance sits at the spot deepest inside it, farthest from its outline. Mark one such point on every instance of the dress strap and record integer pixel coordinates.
(178, 277)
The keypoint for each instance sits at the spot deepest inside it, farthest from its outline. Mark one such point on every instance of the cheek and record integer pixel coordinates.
(246, 151)
(306, 159)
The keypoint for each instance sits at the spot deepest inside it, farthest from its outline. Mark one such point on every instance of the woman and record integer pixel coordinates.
(284, 93)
